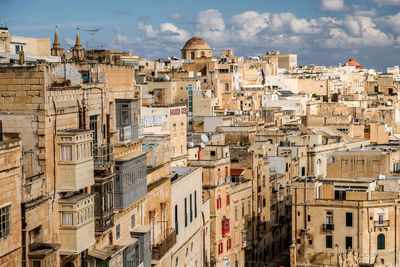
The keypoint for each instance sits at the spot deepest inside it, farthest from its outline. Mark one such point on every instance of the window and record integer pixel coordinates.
(181, 88)
(186, 221)
(93, 126)
(227, 87)
(212, 153)
(66, 152)
(303, 171)
(236, 213)
(249, 206)
(4, 221)
(176, 219)
(242, 209)
(340, 195)
(329, 219)
(310, 241)
(225, 226)
(118, 231)
(349, 242)
(309, 218)
(220, 247)
(133, 221)
(328, 241)
(36, 264)
(349, 219)
(67, 218)
(124, 115)
(219, 202)
(190, 204)
(227, 198)
(381, 241)
(195, 204)
(228, 243)
(380, 218)
(117, 182)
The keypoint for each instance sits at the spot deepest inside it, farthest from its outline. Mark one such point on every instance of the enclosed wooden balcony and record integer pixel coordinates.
(75, 165)
(162, 248)
(77, 231)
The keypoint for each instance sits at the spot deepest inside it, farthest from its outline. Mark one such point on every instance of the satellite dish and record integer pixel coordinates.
(202, 145)
(204, 138)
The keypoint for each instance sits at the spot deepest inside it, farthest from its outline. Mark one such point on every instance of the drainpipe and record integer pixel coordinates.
(23, 233)
(369, 241)
(395, 234)
(84, 110)
(108, 128)
(358, 227)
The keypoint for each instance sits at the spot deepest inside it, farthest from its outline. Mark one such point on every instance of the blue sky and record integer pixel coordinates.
(324, 32)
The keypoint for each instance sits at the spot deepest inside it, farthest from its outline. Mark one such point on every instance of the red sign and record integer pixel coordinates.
(178, 111)
(184, 110)
(175, 111)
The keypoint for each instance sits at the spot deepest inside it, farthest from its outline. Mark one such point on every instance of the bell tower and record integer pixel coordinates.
(78, 52)
(56, 50)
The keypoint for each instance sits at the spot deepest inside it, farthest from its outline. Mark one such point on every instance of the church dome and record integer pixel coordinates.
(196, 43)
(353, 63)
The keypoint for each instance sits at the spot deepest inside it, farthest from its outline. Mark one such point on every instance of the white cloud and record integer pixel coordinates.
(173, 33)
(210, 25)
(332, 5)
(147, 29)
(387, 2)
(252, 33)
(247, 25)
(392, 23)
(361, 32)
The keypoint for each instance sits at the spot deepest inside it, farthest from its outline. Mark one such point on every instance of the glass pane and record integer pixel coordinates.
(66, 153)
(124, 117)
(67, 218)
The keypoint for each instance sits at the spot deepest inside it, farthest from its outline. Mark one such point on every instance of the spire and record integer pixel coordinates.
(78, 52)
(56, 42)
(56, 50)
(78, 38)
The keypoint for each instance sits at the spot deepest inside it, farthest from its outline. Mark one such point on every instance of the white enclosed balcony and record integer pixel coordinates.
(75, 165)
(76, 223)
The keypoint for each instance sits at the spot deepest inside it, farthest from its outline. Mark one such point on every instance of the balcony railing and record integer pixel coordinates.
(328, 227)
(103, 155)
(160, 249)
(384, 223)
(128, 133)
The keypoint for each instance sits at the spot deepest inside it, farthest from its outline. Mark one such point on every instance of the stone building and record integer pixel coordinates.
(10, 201)
(285, 61)
(71, 155)
(188, 213)
(171, 120)
(12, 44)
(339, 220)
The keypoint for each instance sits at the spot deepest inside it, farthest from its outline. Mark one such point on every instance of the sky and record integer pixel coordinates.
(321, 32)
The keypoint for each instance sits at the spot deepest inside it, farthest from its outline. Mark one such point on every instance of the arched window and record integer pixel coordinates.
(381, 241)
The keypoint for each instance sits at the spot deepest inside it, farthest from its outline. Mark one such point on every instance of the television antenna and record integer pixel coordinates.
(92, 32)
